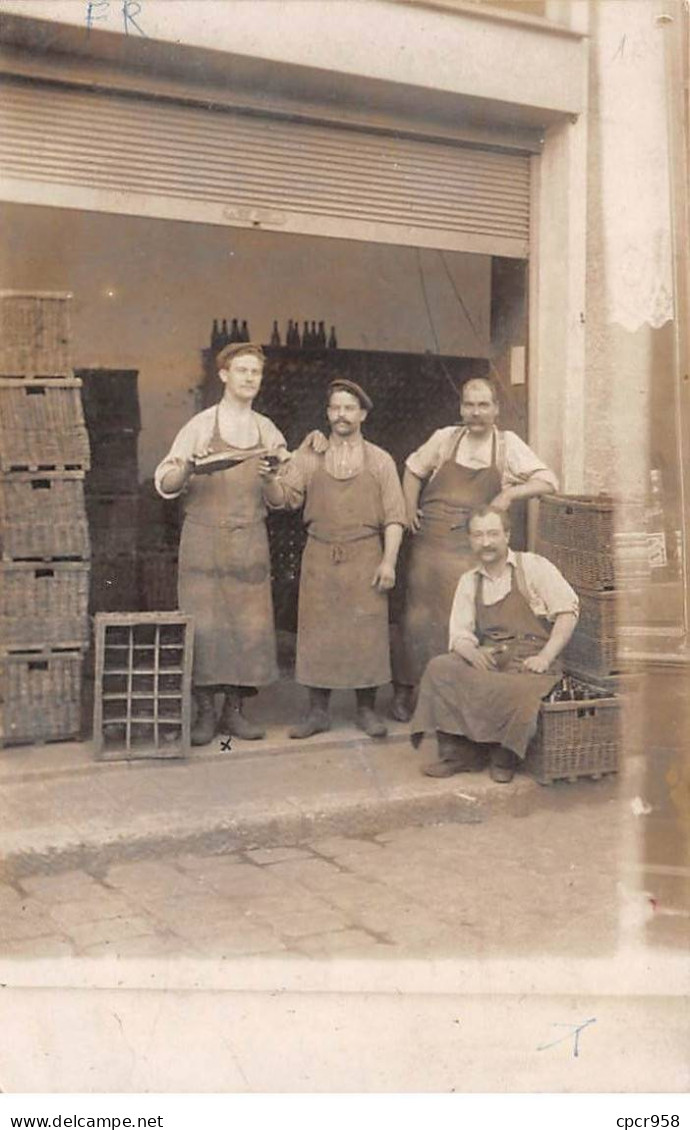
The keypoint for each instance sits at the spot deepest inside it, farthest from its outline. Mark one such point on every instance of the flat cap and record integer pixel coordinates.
(342, 385)
(236, 349)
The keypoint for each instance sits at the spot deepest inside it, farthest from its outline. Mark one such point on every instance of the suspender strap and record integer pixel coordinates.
(520, 577)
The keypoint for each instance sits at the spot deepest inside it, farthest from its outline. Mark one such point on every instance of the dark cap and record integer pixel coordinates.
(236, 349)
(342, 385)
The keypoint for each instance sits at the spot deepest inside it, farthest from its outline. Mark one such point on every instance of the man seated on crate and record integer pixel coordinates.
(512, 615)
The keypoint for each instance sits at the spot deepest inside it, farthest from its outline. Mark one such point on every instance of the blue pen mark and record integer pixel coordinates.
(130, 10)
(96, 10)
(574, 1033)
(125, 12)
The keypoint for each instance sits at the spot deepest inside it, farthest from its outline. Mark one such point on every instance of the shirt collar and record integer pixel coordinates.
(510, 560)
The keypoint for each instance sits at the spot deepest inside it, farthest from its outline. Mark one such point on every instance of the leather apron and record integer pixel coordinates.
(439, 554)
(342, 631)
(490, 706)
(224, 576)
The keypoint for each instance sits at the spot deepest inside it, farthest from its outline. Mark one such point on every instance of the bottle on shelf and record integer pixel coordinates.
(295, 337)
(275, 335)
(314, 341)
(234, 331)
(225, 337)
(306, 336)
(244, 332)
(215, 336)
(321, 336)
(332, 339)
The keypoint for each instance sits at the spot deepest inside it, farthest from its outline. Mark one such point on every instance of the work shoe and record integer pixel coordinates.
(369, 721)
(316, 722)
(204, 728)
(445, 768)
(502, 765)
(234, 723)
(401, 706)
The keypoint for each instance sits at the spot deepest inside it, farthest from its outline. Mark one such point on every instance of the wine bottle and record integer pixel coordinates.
(296, 338)
(275, 336)
(244, 332)
(234, 331)
(313, 339)
(215, 336)
(225, 336)
(332, 339)
(306, 336)
(321, 336)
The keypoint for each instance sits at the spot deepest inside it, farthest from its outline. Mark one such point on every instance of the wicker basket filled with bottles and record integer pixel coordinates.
(577, 733)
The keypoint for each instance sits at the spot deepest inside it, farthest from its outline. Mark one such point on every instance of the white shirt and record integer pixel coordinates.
(519, 461)
(194, 439)
(548, 592)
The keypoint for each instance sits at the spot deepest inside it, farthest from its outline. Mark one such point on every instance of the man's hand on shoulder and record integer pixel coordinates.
(315, 441)
(536, 664)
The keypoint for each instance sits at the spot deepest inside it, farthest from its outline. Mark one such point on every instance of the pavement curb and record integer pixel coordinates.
(350, 816)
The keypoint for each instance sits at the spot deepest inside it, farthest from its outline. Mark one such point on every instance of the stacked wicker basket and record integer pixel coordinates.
(44, 454)
(580, 738)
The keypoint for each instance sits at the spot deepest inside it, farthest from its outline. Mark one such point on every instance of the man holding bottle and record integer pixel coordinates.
(224, 577)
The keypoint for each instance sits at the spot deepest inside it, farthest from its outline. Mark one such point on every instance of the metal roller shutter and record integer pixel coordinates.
(110, 152)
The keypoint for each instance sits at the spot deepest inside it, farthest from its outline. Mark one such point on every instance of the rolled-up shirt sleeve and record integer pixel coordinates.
(292, 480)
(521, 464)
(189, 442)
(427, 459)
(550, 594)
(461, 628)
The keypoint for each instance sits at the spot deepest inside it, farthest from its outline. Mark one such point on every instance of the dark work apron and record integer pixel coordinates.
(224, 577)
(490, 706)
(342, 631)
(439, 554)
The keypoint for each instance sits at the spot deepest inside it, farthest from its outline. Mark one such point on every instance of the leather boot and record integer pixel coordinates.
(503, 763)
(233, 721)
(317, 720)
(401, 706)
(367, 718)
(455, 755)
(204, 728)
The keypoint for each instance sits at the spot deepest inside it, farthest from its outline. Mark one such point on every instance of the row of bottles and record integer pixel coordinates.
(221, 335)
(312, 337)
(570, 689)
(227, 331)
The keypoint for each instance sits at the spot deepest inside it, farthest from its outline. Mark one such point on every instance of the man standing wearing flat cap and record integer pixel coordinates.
(224, 575)
(354, 512)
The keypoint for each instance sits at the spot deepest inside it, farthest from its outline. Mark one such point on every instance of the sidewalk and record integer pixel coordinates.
(60, 808)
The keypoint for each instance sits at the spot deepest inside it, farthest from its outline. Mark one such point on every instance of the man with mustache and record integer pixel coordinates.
(355, 513)
(512, 615)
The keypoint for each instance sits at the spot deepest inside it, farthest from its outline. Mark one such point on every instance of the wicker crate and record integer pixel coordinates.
(43, 516)
(42, 425)
(576, 532)
(113, 523)
(142, 685)
(44, 605)
(114, 585)
(34, 334)
(40, 696)
(158, 580)
(594, 644)
(114, 464)
(575, 739)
